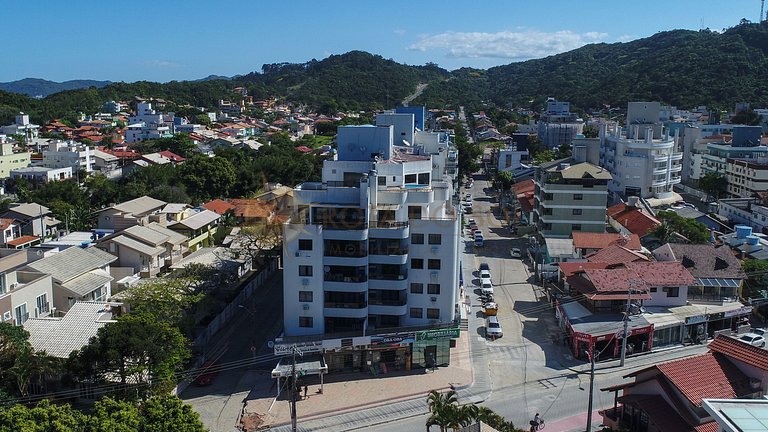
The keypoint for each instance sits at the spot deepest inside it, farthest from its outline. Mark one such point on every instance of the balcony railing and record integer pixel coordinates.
(333, 277)
(343, 225)
(388, 251)
(388, 224)
(337, 305)
(398, 302)
(388, 276)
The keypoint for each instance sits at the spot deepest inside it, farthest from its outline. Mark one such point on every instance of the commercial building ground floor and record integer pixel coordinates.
(657, 327)
(380, 353)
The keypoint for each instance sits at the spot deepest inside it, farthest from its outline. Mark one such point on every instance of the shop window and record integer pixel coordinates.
(416, 312)
(417, 288)
(417, 263)
(433, 313)
(305, 322)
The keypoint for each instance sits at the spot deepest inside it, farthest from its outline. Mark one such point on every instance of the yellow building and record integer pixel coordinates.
(10, 160)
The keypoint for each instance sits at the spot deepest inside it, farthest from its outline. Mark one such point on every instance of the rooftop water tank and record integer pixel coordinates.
(742, 231)
(753, 240)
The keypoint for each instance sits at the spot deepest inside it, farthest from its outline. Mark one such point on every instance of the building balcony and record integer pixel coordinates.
(338, 233)
(677, 156)
(395, 308)
(391, 196)
(676, 168)
(659, 171)
(385, 258)
(389, 284)
(346, 286)
(353, 261)
(659, 183)
(389, 229)
(346, 310)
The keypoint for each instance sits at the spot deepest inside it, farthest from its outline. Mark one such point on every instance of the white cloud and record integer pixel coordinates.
(512, 45)
(162, 64)
(399, 32)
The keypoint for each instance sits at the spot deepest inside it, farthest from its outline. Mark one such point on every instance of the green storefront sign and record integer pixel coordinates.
(445, 333)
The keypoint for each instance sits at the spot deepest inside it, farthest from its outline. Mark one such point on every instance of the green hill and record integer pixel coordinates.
(681, 67)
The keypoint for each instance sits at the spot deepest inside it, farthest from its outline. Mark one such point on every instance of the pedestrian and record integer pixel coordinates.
(306, 388)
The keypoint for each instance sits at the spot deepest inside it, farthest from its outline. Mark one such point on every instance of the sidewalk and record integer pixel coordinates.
(351, 393)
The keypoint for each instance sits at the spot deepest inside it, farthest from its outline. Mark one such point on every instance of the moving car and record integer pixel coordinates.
(753, 339)
(515, 252)
(493, 327)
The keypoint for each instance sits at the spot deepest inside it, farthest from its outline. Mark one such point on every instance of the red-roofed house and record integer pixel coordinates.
(615, 254)
(304, 149)
(252, 211)
(627, 219)
(524, 192)
(668, 397)
(585, 243)
(219, 206)
(173, 157)
(10, 230)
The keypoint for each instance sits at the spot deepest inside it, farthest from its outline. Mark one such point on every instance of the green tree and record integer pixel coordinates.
(164, 299)
(714, 184)
(102, 191)
(543, 156)
(590, 132)
(690, 230)
(757, 278)
(258, 243)
(563, 151)
(207, 177)
(45, 417)
(166, 413)
(114, 415)
(136, 349)
(505, 179)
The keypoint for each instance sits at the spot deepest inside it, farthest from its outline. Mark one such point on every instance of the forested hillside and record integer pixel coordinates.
(681, 67)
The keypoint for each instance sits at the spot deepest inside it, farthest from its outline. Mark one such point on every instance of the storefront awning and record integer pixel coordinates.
(312, 365)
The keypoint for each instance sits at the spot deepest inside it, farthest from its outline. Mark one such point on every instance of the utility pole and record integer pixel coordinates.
(293, 392)
(591, 388)
(625, 336)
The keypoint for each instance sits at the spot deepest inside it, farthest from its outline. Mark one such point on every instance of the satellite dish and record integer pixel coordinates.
(326, 269)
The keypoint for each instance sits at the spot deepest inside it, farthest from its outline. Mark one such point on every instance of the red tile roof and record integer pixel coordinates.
(252, 208)
(523, 186)
(219, 206)
(304, 149)
(631, 218)
(705, 376)
(172, 156)
(618, 279)
(668, 273)
(5, 223)
(23, 240)
(740, 351)
(708, 427)
(661, 414)
(615, 254)
(571, 268)
(587, 240)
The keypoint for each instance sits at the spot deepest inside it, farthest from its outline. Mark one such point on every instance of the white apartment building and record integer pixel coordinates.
(511, 159)
(371, 254)
(559, 125)
(644, 159)
(69, 154)
(148, 124)
(22, 126)
(41, 174)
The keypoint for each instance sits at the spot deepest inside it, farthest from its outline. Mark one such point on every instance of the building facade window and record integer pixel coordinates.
(414, 212)
(305, 270)
(21, 314)
(305, 322)
(417, 288)
(416, 312)
(433, 313)
(434, 264)
(435, 239)
(433, 289)
(43, 307)
(417, 238)
(417, 263)
(672, 291)
(578, 197)
(305, 244)
(576, 227)
(305, 296)
(576, 212)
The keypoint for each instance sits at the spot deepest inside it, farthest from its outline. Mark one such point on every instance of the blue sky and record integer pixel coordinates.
(176, 40)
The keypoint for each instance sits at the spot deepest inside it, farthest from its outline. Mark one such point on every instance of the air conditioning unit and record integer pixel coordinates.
(434, 299)
(13, 285)
(305, 307)
(435, 249)
(305, 282)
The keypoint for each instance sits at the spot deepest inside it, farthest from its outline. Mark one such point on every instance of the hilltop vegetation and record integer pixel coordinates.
(681, 67)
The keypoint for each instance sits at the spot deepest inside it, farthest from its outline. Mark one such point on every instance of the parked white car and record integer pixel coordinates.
(515, 252)
(493, 328)
(753, 339)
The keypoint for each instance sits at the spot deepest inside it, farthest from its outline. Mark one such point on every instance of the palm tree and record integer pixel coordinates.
(442, 408)
(664, 232)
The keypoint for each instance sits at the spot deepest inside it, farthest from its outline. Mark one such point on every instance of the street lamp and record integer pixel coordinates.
(631, 284)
